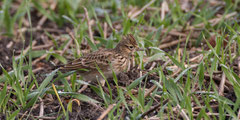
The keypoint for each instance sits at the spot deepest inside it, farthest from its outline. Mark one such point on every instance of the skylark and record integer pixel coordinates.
(116, 59)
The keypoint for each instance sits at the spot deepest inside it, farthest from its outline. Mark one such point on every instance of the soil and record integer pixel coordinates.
(84, 110)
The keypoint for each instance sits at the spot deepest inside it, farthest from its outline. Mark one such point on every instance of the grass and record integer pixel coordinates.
(193, 90)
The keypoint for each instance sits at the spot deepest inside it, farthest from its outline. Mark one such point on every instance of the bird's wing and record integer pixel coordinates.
(89, 61)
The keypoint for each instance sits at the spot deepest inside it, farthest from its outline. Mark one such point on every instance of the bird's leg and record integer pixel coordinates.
(85, 86)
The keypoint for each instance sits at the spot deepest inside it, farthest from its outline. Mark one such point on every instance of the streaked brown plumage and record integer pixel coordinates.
(118, 57)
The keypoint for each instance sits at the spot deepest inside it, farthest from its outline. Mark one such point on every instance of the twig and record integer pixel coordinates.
(83, 88)
(153, 65)
(154, 108)
(44, 17)
(217, 3)
(38, 59)
(164, 8)
(132, 10)
(182, 112)
(42, 46)
(41, 111)
(38, 47)
(45, 117)
(105, 30)
(171, 43)
(110, 107)
(26, 50)
(64, 50)
(140, 73)
(201, 107)
(37, 69)
(39, 117)
(25, 22)
(172, 32)
(52, 30)
(95, 105)
(212, 21)
(196, 58)
(77, 101)
(150, 91)
(217, 72)
(142, 9)
(215, 78)
(185, 5)
(89, 25)
(78, 48)
(211, 114)
(166, 39)
(222, 83)
(10, 44)
(146, 91)
(23, 115)
(166, 63)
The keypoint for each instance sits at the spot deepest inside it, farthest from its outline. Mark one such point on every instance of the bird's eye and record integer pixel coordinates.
(130, 47)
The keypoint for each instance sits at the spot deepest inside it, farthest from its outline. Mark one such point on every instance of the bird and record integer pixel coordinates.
(107, 60)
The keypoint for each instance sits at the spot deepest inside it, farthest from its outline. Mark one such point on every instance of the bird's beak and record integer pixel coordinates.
(140, 49)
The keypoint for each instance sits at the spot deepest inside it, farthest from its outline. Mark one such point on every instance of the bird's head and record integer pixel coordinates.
(128, 45)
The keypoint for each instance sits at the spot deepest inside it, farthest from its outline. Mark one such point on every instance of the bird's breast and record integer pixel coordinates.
(119, 63)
